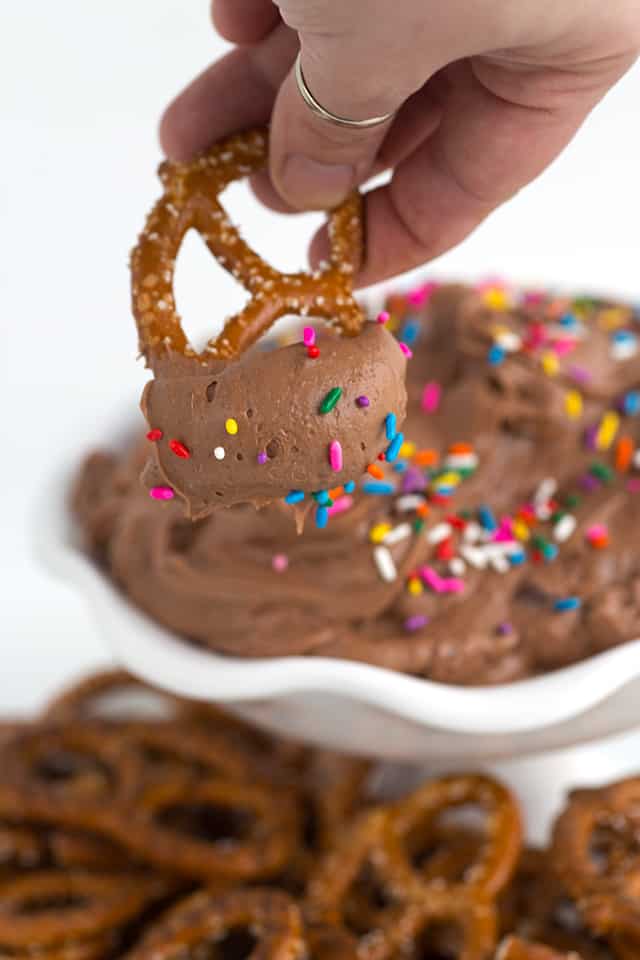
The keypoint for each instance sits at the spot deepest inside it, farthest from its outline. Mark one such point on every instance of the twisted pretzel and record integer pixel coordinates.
(49, 907)
(597, 854)
(190, 199)
(516, 949)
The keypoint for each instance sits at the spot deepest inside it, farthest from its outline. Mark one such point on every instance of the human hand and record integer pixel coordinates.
(485, 94)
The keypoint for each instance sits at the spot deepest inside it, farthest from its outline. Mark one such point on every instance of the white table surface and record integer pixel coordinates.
(81, 87)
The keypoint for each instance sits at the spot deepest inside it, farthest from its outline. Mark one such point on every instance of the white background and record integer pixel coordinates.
(81, 87)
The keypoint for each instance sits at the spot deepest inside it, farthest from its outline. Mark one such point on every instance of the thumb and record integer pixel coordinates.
(314, 162)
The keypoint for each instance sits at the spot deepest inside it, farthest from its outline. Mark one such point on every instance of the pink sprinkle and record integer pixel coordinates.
(563, 346)
(335, 455)
(452, 585)
(161, 493)
(341, 505)
(432, 579)
(262, 457)
(280, 562)
(533, 297)
(580, 374)
(431, 396)
(596, 531)
(383, 317)
(308, 336)
(633, 485)
(406, 349)
(504, 533)
(420, 296)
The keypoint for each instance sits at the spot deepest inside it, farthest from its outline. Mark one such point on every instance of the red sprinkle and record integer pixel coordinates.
(445, 550)
(154, 435)
(382, 456)
(179, 449)
(313, 352)
(458, 523)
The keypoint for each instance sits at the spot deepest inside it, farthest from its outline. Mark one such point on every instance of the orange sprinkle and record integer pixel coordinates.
(460, 448)
(423, 510)
(425, 458)
(375, 471)
(624, 454)
(336, 492)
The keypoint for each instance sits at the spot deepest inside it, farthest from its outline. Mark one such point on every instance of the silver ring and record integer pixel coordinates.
(325, 114)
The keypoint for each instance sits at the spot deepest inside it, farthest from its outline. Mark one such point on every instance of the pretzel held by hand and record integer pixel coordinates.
(191, 200)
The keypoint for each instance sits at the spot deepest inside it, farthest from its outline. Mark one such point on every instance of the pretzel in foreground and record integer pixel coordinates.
(231, 424)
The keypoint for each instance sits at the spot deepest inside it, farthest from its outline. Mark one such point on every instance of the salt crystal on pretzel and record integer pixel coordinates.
(231, 423)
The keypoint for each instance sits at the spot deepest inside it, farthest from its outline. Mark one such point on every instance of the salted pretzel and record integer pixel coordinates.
(231, 425)
(45, 908)
(597, 855)
(369, 881)
(515, 949)
(190, 200)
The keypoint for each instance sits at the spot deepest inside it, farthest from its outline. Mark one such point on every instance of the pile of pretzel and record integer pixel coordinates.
(137, 825)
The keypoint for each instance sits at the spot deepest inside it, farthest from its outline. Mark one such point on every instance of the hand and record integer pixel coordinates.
(486, 93)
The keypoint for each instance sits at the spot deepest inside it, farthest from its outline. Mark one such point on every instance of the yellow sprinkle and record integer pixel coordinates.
(573, 404)
(450, 479)
(495, 298)
(231, 426)
(393, 322)
(521, 530)
(550, 363)
(612, 318)
(609, 426)
(414, 586)
(407, 449)
(379, 532)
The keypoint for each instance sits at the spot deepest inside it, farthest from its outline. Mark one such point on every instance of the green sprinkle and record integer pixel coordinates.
(572, 500)
(557, 516)
(601, 471)
(418, 525)
(330, 400)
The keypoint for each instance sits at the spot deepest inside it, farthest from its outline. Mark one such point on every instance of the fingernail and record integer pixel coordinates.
(307, 183)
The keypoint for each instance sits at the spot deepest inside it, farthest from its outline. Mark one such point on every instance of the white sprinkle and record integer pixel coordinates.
(441, 531)
(565, 527)
(624, 349)
(636, 460)
(384, 564)
(457, 567)
(461, 461)
(411, 501)
(401, 532)
(500, 548)
(472, 532)
(475, 556)
(500, 564)
(509, 341)
(545, 491)
(219, 453)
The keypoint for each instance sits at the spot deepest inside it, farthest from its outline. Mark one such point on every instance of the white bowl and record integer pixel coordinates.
(348, 705)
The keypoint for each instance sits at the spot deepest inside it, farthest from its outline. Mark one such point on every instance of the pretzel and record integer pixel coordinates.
(369, 881)
(595, 850)
(215, 830)
(49, 907)
(266, 922)
(515, 949)
(190, 200)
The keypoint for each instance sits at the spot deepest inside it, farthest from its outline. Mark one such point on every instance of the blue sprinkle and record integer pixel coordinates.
(496, 355)
(487, 519)
(393, 449)
(322, 517)
(631, 403)
(444, 490)
(567, 603)
(390, 425)
(349, 486)
(400, 466)
(568, 320)
(515, 559)
(322, 497)
(294, 496)
(410, 330)
(550, 551)
(623, 336)
(377, 486)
